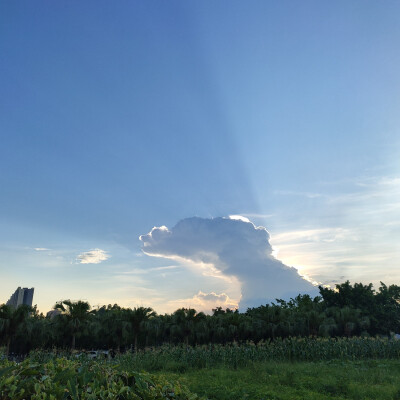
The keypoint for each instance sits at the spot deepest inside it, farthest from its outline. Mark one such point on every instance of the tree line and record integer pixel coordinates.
(347, 310)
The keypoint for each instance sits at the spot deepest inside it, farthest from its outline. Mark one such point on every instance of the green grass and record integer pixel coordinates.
(302, 368)
(278, 380)
(357, 380)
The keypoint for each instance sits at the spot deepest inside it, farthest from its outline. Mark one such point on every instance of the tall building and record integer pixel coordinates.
(21, 296)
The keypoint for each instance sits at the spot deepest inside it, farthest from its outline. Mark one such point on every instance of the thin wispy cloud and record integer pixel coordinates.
(256, 215)
(350, 230)
(95, 256)
(166, 268)
(312, 235)
(310, 195)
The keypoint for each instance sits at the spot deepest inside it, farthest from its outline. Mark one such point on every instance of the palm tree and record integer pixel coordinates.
(77, 315)
(111, 324)
(185, 320)
(155, 328)
(137, 319)
(10, 320)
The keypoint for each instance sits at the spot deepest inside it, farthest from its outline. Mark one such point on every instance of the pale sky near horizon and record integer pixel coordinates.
(116, 118)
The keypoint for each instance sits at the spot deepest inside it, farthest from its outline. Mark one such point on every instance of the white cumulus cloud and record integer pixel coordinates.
(205, 302)
(236, 248)
(94, 256)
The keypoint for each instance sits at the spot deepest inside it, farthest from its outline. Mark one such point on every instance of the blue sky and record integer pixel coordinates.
(119, 117)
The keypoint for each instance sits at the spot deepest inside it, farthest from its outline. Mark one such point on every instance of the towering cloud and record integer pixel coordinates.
(235, 248)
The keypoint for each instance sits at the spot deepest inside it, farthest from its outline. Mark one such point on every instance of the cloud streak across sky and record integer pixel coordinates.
(234, 248)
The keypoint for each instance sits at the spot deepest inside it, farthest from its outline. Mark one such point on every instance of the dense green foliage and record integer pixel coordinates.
(213, 375)
(347, 311)
(68, 379)
(182, 358)
(11, 320)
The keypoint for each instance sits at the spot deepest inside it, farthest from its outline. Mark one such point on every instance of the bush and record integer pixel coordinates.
(70, 379)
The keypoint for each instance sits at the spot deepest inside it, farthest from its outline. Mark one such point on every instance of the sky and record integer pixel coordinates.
(198, 154)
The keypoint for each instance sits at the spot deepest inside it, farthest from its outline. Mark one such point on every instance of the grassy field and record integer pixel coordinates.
(94, 379)
(356, 368)
(297, 368)
(372, 379)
